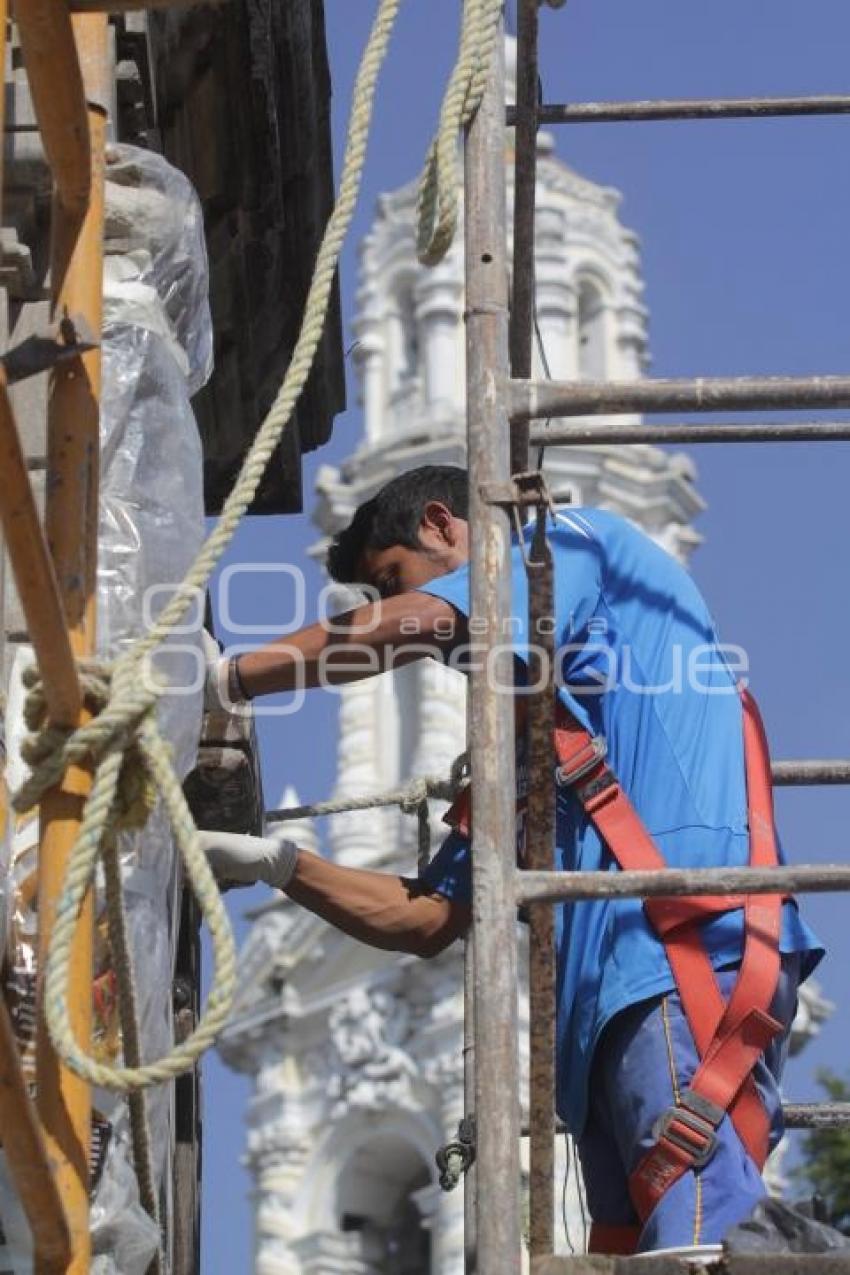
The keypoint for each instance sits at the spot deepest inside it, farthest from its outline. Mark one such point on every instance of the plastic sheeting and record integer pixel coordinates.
(154, 222)
(157, 351)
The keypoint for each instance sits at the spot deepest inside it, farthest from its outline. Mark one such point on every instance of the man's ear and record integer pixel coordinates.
(438, 517)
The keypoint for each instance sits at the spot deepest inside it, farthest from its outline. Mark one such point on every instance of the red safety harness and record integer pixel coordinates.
(730, 1035)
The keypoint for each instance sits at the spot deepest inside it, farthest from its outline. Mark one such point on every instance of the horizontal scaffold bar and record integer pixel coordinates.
(834, 770)
(816, 1115)
(538, 887)
(531, 400)
(833, 1263)
(797, 1115)
(711, 108)
(715, 432)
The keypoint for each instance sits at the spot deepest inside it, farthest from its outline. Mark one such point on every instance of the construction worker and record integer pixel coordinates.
(672, 1017)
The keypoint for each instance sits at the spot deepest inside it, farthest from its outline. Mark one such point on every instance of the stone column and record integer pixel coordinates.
(630, 315)
(355, 835)
(369, 355)
(446, 1218)
(438, 306)
(441, 1045)
(442, 718)
(370, 348)
(442, 728)
(555, 296)
(278, 1146)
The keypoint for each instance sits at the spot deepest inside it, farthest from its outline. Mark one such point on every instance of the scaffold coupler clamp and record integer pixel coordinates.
(522, 491)
(454, 1158)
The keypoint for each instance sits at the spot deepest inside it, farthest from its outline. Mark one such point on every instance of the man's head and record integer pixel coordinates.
(414, 529)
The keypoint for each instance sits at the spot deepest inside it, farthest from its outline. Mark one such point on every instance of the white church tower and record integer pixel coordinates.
(356, 1053)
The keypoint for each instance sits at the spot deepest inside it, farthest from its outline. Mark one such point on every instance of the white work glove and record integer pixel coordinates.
(217, 688)
(242, 860)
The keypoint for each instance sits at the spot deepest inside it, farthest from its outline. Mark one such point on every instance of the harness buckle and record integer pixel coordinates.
(582, 762)
(695, 1115)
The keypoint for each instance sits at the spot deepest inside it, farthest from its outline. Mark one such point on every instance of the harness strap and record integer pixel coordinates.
(620, 1241)
(729, 1037)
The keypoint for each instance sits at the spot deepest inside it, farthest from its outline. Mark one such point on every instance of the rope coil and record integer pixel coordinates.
(122, 741)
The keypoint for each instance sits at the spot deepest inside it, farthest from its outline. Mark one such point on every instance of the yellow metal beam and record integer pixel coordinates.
(34, 575)
(58, 96)
(27, 1156)
(64, 1101)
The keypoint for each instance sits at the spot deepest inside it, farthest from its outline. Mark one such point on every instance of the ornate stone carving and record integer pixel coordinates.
(367, 1031)
(812, 1009)
(273, 1145)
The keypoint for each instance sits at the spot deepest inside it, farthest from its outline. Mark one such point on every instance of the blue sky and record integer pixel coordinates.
(743, 227)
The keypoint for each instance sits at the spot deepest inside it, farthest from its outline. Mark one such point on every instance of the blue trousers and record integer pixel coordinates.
(645, 1057)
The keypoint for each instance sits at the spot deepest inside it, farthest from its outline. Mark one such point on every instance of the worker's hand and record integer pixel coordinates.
(217, 686)
(242, 860)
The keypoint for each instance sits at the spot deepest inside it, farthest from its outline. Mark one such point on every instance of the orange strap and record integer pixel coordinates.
(729, 1037)
(616, 1241)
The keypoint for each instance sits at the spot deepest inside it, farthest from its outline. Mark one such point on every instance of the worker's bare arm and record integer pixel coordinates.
(377, 908)
(358, 644)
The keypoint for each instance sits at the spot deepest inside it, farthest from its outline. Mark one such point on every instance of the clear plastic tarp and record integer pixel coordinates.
(157, 352)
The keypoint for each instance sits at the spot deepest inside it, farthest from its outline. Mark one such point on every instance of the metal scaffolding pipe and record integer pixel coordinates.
(64, 1100)
(470, 1239)
(711, 108)
(788, 774)
(532, 399)
(525, 178)
(532, 887)
(816, 1115)
(688, 432)
(796, 1115)
(539, 723)
(491, 713)
(540, 855)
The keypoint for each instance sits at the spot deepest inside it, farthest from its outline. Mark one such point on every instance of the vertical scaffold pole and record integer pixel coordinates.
(470, 1238)
(540, 840)
(491, 699)
(525, 178)
(540, 716)
(64, 1101)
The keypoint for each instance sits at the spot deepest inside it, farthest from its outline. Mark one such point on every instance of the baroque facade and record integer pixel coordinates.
(356, 1053)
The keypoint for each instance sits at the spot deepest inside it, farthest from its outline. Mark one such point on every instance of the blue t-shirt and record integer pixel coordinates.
(638, 661)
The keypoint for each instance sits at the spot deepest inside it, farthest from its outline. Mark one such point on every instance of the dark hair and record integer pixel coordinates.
(392, 517)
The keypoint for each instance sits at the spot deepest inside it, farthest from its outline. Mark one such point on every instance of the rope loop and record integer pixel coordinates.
(437, 202)
(118, 699)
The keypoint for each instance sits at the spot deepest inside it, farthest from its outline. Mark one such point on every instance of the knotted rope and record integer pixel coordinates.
(130, 757)
(437, 205)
